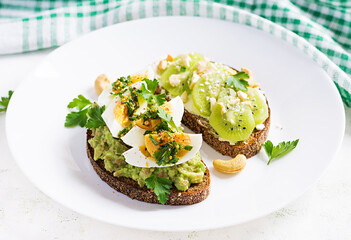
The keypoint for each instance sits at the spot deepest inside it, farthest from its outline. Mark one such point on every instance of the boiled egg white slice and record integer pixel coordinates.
(177, 110)
(135, 138)
(109, 116)
(105, 97)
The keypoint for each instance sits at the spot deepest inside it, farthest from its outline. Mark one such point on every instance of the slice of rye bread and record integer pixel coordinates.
(195, 194)
(249, 148)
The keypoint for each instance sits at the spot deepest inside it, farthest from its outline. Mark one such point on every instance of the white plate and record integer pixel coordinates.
(304, 101)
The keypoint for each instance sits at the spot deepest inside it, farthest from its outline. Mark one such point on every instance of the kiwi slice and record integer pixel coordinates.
(200, 95)
(234, 125)
(183, 72)
(259, 105)
(183, 76)
(209, 86)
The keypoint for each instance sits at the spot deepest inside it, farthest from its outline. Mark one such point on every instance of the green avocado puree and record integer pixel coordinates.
(110, 150)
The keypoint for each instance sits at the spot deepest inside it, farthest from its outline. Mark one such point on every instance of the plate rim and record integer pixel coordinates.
(12, 148)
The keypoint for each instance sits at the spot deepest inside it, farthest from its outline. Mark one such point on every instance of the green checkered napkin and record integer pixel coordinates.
(27, 25)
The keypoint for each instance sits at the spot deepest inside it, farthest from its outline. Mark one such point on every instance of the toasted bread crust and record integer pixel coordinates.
(249, 148)
(195, 194)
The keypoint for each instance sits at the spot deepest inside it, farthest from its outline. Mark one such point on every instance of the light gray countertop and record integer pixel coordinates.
(323, 212)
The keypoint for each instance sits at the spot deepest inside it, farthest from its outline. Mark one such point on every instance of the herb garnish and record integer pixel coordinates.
(237, 81)
(5, 101)
(168, 118)
(95, 120)
(84, 114)
(119, 86)
(147, 91)
(153, 140)
(166, 154)
(131, 101)
(280, 150)
(124, 131)
(161, 187)
(188, 148)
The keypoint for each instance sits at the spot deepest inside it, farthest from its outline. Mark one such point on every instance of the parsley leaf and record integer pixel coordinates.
(160, 99)
(280, 150)
(95, 119)
(151, 84)
(5, 101)
(168, 118)
(76, 118)
(80, 103)
(188, 148)
(237, 81)
(145, 93)
(84, 114)
(153, 140)
(161, 187)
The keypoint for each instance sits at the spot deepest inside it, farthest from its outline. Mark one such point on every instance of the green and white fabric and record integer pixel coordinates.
(313, 26)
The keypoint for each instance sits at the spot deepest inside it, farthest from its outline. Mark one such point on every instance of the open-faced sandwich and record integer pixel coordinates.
(225, 105)
(135, 141)
(137, 146)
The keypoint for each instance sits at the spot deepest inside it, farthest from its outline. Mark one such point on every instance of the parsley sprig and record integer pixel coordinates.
(147, 91)
(238, 82)
(84, 113)
(166, 117)
(279, 150)
(5, 102)
(161, 187)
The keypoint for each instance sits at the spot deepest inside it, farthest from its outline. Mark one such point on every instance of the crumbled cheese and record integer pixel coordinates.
(248, 103)
(208, 70)
(250, 92)
(202, 90)
(260, 126)
(234, 101)
(207, 83)
(174, 80)
(223, 110)
(162, 65)
(184, 97)
(201, 65)
(194, 80)
(212, 102)
(185, 60)
(232, 92)
(242, 96)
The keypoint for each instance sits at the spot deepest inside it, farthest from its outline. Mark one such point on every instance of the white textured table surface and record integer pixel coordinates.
(324, 212)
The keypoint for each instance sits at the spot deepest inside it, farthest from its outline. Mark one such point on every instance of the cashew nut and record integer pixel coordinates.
(234, 165)
(252, 82)
(101, 83)
(169, 58)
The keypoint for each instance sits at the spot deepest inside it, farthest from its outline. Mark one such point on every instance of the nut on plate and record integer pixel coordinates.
(101, 83)
(234, 165)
